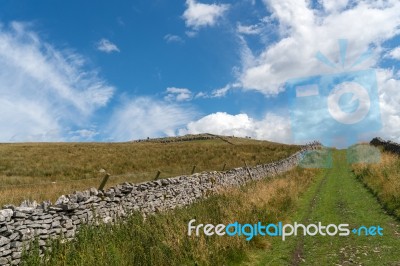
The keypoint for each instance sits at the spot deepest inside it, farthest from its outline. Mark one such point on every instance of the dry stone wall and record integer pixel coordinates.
(20, 225)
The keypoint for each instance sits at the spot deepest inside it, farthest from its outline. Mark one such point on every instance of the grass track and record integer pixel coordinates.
(337, 197)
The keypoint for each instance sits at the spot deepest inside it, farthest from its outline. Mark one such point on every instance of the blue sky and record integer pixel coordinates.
(105, 71)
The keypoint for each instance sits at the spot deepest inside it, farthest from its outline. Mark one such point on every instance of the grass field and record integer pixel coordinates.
(162, 239)
(42, 171)
(340, 194)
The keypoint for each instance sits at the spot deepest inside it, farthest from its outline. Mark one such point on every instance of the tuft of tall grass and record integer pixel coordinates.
(162, 239)
(383, 180)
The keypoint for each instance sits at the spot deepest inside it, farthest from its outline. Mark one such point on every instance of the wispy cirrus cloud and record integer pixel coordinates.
(221, 92)
(43, 89)
(249, 29)
(82, 135)
(178, 94)
(171, 38)
(144, 117)
(107, 46)
(217, 93)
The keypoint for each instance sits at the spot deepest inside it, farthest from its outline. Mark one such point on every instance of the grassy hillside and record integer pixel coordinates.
(42, 171)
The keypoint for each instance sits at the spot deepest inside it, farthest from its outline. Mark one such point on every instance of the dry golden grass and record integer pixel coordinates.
(44, 171)
(383, 179)
(266, 200)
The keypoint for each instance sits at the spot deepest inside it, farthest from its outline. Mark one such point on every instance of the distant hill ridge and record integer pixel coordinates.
(189, 137)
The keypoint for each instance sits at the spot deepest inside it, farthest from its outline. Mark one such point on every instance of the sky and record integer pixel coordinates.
(119, 71)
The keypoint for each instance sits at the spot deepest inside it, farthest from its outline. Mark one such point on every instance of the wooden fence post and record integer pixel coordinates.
(248, 170)
(157, 175)
(103, 183)
(193, 169)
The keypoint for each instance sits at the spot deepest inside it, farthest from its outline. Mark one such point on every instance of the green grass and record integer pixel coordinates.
(41, 171)
(162, 239)
(337, 197)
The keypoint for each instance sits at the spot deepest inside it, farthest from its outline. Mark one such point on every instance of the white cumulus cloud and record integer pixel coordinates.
(334, 5)
(272, 127)
(199, 15)
(304, 31)
(389, 96)
(395, 53)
